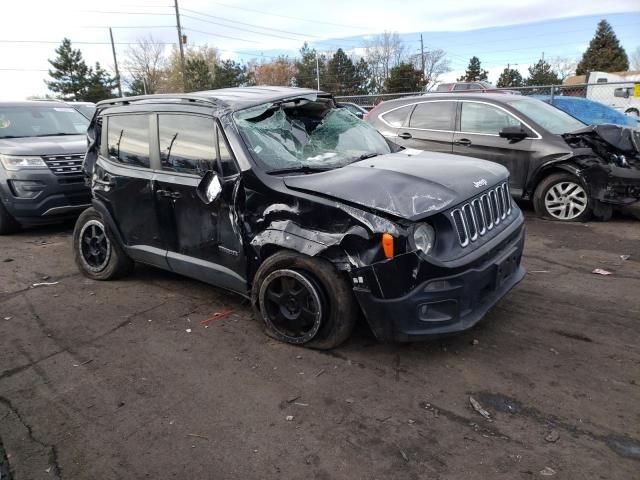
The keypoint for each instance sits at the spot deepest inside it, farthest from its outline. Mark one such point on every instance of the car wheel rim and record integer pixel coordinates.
(290, 305)
(94, 245)
(566, 200)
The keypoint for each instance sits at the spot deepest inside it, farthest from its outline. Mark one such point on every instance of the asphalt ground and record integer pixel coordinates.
(119, 380)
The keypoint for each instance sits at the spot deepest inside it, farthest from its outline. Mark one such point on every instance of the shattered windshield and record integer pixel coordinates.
(307, 134)
(548, 117)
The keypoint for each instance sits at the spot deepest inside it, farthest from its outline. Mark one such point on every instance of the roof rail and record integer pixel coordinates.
(159, 96)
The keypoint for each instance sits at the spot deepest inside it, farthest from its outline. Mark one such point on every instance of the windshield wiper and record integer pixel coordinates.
(364, 156)
(299, 169)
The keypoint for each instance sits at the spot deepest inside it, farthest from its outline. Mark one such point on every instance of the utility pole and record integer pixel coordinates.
(317, 70)
(422, 59)
(115, 63)
(180, 44)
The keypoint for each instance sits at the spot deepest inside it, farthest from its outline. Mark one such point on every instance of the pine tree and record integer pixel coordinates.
(100, 85)
(542, 74)
(70, 73)
(342, 76)
(510, 77)
(403, 78)
(364, 80)
(306, 68)
(474, 72)
(605, 54)
(228, 74)
(197, 75)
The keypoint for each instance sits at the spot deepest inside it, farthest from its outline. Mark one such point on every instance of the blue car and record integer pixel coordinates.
(588, 111)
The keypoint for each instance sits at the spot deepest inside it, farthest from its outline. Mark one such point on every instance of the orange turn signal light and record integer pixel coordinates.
(387, 245)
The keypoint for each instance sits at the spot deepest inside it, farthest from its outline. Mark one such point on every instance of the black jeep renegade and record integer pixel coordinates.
(276, 194)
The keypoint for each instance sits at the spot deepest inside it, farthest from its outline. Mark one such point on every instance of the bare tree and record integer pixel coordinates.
(146, 63)
(435, 64)
(634, 59)
(564, 67)
(382, 53)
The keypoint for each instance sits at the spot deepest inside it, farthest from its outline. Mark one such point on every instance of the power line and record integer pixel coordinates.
(247, 24)
(315, 21)
(240, 28)
(57, 42)
(219, 35)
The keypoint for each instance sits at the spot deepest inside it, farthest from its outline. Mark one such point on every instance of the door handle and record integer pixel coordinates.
(463, 141)
(405, 135)
(168, 194)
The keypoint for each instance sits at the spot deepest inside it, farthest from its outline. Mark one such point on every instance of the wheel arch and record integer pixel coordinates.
(102, 209)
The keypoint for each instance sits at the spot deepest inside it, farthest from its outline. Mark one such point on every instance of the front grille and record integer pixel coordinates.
(481, 214)
(65, 165)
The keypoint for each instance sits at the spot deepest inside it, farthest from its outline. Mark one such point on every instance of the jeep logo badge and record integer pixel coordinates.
(481, 183)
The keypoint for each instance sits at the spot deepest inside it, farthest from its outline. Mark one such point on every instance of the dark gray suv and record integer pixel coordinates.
(42, 146)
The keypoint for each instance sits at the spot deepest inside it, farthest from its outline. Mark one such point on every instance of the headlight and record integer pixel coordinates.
(424, 237)
(10, 162)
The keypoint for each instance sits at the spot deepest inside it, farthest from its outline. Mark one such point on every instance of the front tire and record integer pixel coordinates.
(97, 254)
(563, 197)
(8, 224)
(303, 300)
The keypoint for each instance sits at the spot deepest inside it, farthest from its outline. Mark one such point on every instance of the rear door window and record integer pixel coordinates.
(128, 139)
(461, 86)
(397, 117)
(485, 119)
(187, 143)
(434, 116)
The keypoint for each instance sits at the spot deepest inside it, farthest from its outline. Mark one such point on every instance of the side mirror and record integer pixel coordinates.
(514, 133)
(209, 188)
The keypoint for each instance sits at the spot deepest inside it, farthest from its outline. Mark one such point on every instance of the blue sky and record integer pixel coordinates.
(497, 31)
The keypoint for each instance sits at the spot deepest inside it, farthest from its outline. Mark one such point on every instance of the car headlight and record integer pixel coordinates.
(11, 162)
(424, 236)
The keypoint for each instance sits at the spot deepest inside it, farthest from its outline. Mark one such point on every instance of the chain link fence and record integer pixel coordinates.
(623, 96)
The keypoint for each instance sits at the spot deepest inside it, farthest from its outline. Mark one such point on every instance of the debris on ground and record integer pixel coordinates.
(289, 418)
(552, 436)
(624, 257)
(293, 399)
(539, 271)
(7, 260)
(601, 271)
(478, 408)
(188, 330)
(404, 455)
(349, 400)
(197, 436)
(475, 341)
(217, 316)
(547, 472)
(8, 318)
(83, 363)
(320, 372)
(44, 284)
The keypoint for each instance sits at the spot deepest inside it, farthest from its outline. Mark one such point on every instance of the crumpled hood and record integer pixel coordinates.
(403, 184)
(65, 144)
(625, 139)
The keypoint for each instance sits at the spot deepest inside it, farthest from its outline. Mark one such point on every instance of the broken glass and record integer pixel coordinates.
(286, 138)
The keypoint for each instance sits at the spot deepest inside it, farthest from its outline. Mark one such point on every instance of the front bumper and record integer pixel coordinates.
(56, 197)
(444, 304)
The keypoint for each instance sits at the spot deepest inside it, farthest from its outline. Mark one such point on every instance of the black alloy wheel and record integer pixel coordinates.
(95, 247)
(292, 305)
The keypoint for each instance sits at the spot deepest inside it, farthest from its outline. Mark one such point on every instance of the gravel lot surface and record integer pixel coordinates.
(118, 380)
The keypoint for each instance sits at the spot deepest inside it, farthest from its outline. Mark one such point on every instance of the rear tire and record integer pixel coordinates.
(303, 300)
(97, 254)
(562, 197)
(8, 224)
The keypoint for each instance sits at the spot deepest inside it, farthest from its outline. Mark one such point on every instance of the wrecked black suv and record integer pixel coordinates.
(276, 194)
